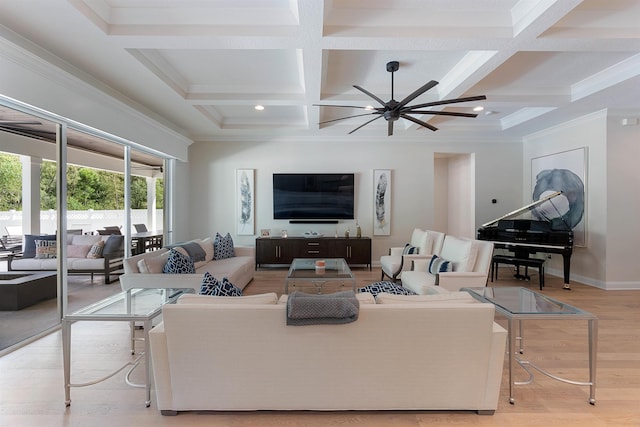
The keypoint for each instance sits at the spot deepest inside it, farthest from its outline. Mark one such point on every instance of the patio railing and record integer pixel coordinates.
(87, 220)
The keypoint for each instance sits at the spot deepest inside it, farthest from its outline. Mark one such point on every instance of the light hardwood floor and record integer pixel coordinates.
(31, 385)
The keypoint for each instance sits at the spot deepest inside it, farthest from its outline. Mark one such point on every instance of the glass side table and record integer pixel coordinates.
(134, 305)
(517, 304)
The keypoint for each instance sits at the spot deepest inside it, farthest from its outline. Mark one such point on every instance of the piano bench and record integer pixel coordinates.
(518, 262)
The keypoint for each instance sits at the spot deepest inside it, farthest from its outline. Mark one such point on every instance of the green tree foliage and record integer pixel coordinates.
(10, 182)
(86, 188)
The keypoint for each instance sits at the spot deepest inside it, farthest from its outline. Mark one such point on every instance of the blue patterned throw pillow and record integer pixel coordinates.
(439, 265)
(178, 263)
(212, 286)
(228, 289)
(410, 250)
(386, 286)
(223, 246)
(209, 284)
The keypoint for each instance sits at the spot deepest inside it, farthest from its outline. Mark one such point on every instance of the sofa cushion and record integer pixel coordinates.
(29, 249)
(362, 297)
(96, 250)
(46, 249)
(439, 265)
(114, 243)
(178, 263)
(419, 240)
(259, 299)
(387, 298)
(85, 239)
(207, 245)
(78, 251)
(385, 286)
(461, 252)
(85, 264)
(224, 288)
(223, 246)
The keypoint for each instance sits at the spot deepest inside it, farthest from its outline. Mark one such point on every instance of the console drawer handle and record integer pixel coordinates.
(313, 252)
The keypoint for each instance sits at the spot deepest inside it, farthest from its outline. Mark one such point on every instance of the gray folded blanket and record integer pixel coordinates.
(193, 249)
(330, 309)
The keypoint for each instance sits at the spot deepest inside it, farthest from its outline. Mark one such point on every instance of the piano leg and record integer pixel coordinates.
(566, 258)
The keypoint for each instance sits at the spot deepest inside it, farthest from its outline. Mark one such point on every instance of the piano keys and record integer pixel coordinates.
(525, 237)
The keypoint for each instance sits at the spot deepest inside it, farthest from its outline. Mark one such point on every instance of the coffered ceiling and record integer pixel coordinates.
(202, 65)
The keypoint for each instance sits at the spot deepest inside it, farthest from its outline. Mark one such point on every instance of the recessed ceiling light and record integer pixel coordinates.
(478, 108)
(259, 107)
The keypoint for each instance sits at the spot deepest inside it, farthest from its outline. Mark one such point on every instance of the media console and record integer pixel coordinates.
(282, 250)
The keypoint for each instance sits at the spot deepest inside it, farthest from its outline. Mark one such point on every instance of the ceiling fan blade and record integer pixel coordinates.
(343, 106)
(416, 93)
(390, 128)
(449, 101)
(348, 117)
(440, 113)
(364, 124)
(371, 95)
(418, 122)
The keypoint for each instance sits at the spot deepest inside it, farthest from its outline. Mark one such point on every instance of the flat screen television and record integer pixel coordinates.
(313, 196)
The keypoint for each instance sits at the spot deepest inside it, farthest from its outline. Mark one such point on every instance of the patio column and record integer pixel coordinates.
(151, 203)
(31, 194)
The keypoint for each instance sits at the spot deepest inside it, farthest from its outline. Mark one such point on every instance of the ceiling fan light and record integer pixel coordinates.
(369, 107)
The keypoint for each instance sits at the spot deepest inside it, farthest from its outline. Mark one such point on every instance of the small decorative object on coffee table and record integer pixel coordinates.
(517, 304)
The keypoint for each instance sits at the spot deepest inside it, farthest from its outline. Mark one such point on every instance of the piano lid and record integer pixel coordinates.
(525, 209)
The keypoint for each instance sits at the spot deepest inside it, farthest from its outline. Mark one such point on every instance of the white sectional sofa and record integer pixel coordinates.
(145, 270)
(419, 352)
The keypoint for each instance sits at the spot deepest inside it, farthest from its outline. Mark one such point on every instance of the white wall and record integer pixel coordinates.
(623, 205)
(588, 264)
(212, 168)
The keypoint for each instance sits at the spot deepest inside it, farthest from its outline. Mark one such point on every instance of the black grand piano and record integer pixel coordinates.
(526, 236)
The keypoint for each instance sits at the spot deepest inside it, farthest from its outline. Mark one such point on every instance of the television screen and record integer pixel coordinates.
(313, 196)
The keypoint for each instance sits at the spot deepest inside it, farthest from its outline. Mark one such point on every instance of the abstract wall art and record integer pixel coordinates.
(565, 172)
(245, 197)
(381, 202)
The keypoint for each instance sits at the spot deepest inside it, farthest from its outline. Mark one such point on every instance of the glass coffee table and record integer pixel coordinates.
(133, 306)
(303, 271)
(517, 304)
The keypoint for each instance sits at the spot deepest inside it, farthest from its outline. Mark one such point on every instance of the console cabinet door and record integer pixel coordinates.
(274, 251)
(354, 250)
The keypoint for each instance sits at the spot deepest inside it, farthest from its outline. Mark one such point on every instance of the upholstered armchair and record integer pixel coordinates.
(461, 263)
(423, 243)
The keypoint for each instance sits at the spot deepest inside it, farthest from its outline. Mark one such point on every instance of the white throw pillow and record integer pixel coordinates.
(153, 264)
(268, 298)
